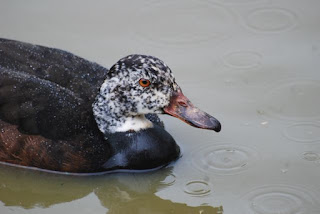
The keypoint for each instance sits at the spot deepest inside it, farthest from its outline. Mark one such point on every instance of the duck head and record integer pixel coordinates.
(137, 85)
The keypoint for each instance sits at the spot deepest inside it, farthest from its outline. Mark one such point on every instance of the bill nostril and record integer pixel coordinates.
(182, 103)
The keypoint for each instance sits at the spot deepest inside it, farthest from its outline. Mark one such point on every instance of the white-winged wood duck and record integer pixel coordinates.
(63, 113)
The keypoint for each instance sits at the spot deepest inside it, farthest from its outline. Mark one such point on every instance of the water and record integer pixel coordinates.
(253, 64)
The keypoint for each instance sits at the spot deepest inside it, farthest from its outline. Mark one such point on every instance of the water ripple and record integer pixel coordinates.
(296, 100)
(169, 180)
(197, 188)
(224, 159)
(311, 156)
(242, 1)
(271, 20)
(278, 199)
(173, 23)
(242, 59)
(303, 132)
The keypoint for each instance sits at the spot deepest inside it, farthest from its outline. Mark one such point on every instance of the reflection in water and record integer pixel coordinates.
(234, 57)
(119, 192)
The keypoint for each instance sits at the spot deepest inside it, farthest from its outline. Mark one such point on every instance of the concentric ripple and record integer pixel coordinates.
(303, 132)
(197, 188)
(311, 156)
(225, 159)
(241, 1)
(271, 19)
(297, 100)
(171, 22)
(242, 59)
(278, 199)
(169, 180)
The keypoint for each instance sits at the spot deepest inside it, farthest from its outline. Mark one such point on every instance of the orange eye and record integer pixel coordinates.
(144, 82)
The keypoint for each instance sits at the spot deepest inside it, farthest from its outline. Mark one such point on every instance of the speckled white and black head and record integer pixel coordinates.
(137, 85)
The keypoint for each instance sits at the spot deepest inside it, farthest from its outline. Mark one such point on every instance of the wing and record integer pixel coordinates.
(45, 125)
(65, 69)
(41, 107)
(46, 116)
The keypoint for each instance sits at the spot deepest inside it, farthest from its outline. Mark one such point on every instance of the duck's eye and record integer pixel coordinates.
(144, 82)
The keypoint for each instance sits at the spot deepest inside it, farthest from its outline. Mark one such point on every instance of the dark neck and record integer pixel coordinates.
(145, 149)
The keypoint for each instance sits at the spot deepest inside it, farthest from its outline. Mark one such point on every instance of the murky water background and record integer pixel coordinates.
(254, 64)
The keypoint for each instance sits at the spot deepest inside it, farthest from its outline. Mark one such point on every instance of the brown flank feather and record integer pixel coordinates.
(36, 151)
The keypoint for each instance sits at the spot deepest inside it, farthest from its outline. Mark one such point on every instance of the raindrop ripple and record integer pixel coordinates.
(189, 23)
(296, 100)
(241, 1)
(311, 156)
(303, 132)
(242, 59)
(169, 180)
(278, 199)
(271, 20)
(197, 188)
(224, 159)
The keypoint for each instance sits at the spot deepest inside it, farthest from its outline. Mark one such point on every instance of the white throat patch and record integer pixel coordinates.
(135, 123)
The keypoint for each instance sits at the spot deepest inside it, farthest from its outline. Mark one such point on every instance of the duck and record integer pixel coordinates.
(62, 113)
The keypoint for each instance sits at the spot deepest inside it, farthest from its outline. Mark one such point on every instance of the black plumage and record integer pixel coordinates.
(46, 117)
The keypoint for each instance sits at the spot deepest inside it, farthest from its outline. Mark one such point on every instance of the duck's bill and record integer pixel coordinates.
(181, 107)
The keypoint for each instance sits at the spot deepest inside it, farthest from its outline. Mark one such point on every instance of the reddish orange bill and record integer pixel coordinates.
(181, 107)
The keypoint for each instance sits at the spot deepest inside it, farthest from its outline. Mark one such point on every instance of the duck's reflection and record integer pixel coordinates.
(119, 192)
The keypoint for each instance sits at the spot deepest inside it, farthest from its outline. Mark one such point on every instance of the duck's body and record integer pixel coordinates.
(53, 110)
